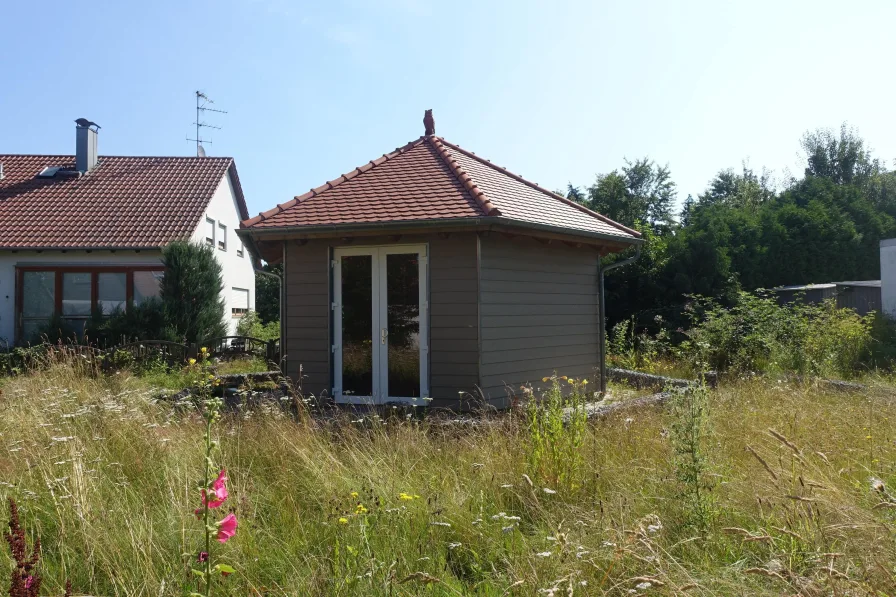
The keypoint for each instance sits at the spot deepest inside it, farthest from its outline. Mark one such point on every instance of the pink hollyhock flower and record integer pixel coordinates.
(203, 556)
(29, 581)
(219, 489)
(227, 528)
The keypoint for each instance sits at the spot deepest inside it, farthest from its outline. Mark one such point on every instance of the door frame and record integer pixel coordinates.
(380, 356)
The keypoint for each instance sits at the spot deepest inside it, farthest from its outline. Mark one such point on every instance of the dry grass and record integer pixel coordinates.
(106, 477)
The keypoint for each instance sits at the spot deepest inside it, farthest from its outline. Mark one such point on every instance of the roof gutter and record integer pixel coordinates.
(602, 321)
(477, 222)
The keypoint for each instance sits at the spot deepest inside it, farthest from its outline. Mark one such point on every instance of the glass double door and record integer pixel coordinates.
(380, 324)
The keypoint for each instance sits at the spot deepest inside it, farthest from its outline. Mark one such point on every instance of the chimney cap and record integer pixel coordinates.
(84, 123)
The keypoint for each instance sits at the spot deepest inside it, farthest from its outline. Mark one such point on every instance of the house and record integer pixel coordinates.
(86, 231)
(430, 272)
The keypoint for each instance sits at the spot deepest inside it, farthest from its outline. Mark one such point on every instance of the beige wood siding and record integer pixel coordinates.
(453, 313)
(539, 313)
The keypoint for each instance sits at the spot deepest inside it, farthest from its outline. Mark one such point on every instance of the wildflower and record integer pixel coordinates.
(29, 581)
(545, 378)
(643, 586)
(204, 350)
(548, 491)
(192, 361)
(877, 484)
(343, 520)
(584, 382)
(543, 554)
(227, 528)
(360, 509)
(440, 524)
(219, 489)
(454, 545)
(406, 496)
(203, 557)
(354, 494)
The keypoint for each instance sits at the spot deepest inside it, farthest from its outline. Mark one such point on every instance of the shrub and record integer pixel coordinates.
(758, 334)
(146, 321)
(191, 291)
(251, 325)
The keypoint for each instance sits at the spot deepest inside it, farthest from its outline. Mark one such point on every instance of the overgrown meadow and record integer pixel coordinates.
(759, 488)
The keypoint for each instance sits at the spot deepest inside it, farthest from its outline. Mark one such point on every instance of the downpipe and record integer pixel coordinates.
(602, 324)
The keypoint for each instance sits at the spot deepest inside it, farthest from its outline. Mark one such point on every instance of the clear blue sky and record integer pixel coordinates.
(556, 91)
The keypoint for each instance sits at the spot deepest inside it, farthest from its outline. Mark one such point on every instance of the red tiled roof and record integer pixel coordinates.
(124, 202)
(432, 179)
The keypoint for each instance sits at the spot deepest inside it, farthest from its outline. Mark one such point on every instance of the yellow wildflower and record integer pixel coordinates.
(360, 509)
(563, 377)
(192, 361)
(584, 382)
(354, 494)
(343, 520)
(203, 350)
(406, 496)
(545, 378)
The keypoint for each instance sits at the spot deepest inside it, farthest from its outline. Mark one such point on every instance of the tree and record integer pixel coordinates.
(191, 291)
(267, 293)
(641, 192)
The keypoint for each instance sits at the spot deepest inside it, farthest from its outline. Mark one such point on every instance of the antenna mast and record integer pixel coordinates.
(202, 103)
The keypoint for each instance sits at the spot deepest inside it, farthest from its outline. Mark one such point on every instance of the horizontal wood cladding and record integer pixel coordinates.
(453, 312)
(307, 316)
(539, 314)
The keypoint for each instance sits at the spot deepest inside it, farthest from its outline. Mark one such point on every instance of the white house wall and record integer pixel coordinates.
(888, 276)
(9, 261)
(238, 271)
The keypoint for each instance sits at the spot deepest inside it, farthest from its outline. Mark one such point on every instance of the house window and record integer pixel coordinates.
(77, 292)
(222, 237)
(112, 291)
(239, 250)
(210, 232)
(40, 288)
(239, 302)
(147, 284)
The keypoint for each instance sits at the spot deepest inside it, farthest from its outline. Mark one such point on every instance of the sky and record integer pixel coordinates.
(555, 91)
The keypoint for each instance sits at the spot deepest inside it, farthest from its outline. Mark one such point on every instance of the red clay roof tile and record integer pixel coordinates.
(432, 179)
(125, 202)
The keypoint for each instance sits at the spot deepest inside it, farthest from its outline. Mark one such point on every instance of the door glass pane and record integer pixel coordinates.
(403, 313)
(38, 294)
(357, 324)
(75, 294)
(112, 291)
(146, 285)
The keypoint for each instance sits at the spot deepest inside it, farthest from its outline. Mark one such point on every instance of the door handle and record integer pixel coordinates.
(383, 333)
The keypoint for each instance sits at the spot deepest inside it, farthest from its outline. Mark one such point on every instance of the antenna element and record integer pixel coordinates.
(202, 103)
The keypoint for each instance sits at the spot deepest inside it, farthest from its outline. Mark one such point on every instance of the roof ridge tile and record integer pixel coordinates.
(487, 207)
(535, 186)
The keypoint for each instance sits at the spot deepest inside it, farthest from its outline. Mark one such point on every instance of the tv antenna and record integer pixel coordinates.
(202, 105)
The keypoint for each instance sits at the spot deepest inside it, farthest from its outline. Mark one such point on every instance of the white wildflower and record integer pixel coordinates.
(548, 491)
(454, 545)
(543, 554)
(643, 586)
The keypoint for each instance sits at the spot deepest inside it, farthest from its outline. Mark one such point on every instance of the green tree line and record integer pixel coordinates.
(744, 231)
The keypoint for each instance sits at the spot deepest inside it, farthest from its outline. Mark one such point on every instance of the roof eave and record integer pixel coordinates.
(85, 248)
(482, 222)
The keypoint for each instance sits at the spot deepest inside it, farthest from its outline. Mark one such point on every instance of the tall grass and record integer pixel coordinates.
(106, 477)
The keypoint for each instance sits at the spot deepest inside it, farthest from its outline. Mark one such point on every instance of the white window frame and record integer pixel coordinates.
(380, 364)
(210, 241)
(222, 241)
(239, 250)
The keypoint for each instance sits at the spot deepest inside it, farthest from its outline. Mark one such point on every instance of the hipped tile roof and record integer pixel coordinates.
(123, 202)
(432, 179)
